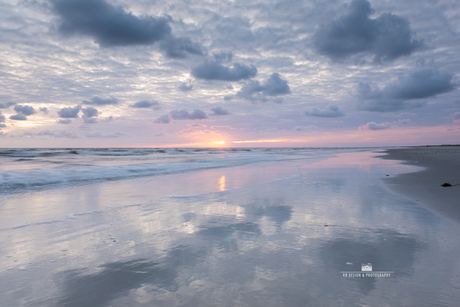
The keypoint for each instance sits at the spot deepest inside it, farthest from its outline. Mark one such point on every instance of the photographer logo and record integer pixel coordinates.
(366, 271)
(366, 267)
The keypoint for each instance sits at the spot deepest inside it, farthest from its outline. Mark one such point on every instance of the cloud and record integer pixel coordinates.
(109, 136)
(89, 115)
(7, 105)
(375, 126)
(219, 111)
(162, 119)
(25, 110)
(384, 104)
(2, 118)
(275, 85)
(420, 84)
(44, 110)
(423, 83)
(60, 134)
(178, 47)
(184, 114)
(332, 111)
(213, 70)
(145, 104)
(101, 102)
(222, 56)
(18, 117)
(456, 116)
(64, 121)
(387, 37)
(22, 112)
(69, 112)
(185, 88)
(107, 24)
(90, 112)
(303, 128)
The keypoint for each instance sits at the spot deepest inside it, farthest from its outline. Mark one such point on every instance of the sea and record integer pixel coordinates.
(218, 227)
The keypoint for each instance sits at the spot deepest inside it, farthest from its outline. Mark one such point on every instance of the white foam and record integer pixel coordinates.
(88, 212)
(49, 222)
(21, 226)
(182, 196)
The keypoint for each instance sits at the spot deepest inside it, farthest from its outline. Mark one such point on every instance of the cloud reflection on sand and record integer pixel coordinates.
(265, 244)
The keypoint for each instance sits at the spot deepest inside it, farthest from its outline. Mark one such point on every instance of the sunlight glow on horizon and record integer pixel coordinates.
(271, 141)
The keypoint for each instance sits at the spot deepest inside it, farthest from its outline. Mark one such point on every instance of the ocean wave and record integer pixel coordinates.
(19, 179)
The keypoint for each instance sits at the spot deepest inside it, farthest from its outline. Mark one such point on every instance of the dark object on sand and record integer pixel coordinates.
(446, 185)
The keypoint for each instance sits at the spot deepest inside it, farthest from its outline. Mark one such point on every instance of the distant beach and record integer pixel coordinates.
(441, 166)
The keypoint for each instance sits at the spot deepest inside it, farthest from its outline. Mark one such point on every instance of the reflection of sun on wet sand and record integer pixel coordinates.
(442, 165)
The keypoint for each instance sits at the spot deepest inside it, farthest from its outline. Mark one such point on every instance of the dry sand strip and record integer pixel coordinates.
(442, 165)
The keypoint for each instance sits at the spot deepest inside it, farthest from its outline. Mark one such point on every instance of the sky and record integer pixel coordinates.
(185, 73)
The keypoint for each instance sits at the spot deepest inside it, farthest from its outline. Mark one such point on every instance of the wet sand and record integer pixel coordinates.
(441, 165)
(268, 234)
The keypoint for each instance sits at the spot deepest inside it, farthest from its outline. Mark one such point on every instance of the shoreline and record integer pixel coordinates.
(441, 165)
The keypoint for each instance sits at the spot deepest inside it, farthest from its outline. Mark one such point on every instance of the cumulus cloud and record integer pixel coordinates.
(275, 85)
(214, 70)
(146, 104)
(386, 37)
(420, 84)
(107, 24)
(89, 115)
(18, 117)
(101, 102)
(332, 111)
(219, 111)
(69, 112)
(162, 119)
(383, 126)
(375, 126)
(22, 112)
(7, 105)
(184, 114)
(178, 47)
(25, 110)
(64, 121)
(423, 83)
(44, 110)
(112, 26)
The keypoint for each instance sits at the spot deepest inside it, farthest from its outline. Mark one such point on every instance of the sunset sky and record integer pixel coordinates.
(118, 73)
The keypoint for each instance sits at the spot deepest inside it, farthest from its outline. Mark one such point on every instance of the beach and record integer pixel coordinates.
(441, 165)
(252, 227)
